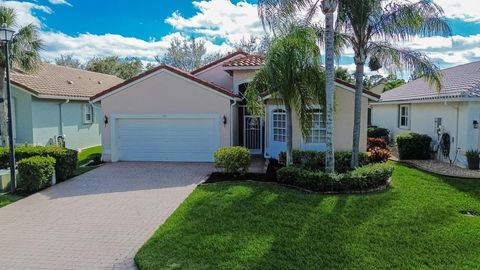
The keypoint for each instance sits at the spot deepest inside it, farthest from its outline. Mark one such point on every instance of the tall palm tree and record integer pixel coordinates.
(374, 28)
(292, 74)
(24, 55)
(274, 12)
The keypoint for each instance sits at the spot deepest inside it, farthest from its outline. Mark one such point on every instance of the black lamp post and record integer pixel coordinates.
(6, 36)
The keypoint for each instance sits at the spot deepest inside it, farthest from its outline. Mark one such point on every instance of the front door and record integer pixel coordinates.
(252, 136)
(277, 132)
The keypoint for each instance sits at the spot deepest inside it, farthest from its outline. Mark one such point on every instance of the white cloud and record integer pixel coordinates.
(59, 2)
(26, 12)
(86, 46)
(467, 10)
(220, 19)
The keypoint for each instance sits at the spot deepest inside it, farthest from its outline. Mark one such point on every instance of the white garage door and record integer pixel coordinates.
(167, 138)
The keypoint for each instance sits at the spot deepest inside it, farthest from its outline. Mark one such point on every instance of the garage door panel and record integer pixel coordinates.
(167, 139)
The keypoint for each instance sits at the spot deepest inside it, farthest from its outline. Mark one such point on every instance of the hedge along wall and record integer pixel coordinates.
(316, 160)
(65, 159)
(35, 173)
(413, 146)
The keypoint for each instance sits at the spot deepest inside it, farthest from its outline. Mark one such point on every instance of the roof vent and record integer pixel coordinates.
(70, 82)
(99, 82)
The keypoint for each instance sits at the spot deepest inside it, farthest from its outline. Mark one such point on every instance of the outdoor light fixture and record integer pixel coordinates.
(6, 36)
(475, 124)
(105, 120)
(224, 120)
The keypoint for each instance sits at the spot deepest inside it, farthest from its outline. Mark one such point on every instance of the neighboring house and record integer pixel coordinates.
(455, 110)
(173, 115)
(55, 101)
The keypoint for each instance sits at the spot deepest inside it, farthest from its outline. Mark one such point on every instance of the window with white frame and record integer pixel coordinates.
(404, 116)
(279, 119)
(87, 113)
(318, 131)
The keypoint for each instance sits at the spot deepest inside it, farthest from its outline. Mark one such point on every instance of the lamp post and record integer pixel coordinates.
(6, 36)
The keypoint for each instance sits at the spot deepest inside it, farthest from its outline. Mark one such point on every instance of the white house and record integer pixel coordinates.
(418, 107)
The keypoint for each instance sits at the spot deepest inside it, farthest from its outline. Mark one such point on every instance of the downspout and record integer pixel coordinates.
(231, 121)
(60, 126)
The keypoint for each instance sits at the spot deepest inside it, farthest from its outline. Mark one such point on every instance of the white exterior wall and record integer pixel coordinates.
(457, 120)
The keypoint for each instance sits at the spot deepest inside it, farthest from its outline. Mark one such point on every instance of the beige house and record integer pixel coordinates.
(167, 114)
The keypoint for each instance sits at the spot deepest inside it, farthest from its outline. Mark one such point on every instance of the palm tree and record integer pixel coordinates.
(374, 28)
(292, 74)
(24, 55)
(274, 13)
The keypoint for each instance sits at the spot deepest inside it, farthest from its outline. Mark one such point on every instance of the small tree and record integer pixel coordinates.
(68, 60)
(113, 65)
(292, 74)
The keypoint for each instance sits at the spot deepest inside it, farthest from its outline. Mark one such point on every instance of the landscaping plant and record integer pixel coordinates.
(233, 159)
(473, 159)
(35, 173)
(413, 146)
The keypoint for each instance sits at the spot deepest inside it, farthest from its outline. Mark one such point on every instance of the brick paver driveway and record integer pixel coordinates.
(97, 220)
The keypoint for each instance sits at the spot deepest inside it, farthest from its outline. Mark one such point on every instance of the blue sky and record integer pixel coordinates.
(144, 28)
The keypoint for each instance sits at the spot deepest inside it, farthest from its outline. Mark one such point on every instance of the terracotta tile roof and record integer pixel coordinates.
(458, 82)
(258, 60)
(216, 62)
(247, 61)
(177, 71)
(53, 81)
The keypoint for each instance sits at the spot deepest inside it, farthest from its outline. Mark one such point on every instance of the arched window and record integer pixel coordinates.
(279, 119)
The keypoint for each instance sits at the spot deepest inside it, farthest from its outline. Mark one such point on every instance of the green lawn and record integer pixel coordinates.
(8, 199)
(414, 225)
(85, 156)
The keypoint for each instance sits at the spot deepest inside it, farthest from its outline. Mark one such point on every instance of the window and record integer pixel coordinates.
(404, 116)
(87, 114)
(279, 118)
(318, 132)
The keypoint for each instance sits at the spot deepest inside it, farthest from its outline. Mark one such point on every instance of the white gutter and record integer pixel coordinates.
(61, 117)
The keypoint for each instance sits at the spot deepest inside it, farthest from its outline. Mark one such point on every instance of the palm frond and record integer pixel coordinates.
(397, 59)
(26, 48)
(401, 21)
(7, 16)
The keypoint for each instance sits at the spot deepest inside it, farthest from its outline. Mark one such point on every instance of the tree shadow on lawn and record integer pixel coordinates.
(260, 226)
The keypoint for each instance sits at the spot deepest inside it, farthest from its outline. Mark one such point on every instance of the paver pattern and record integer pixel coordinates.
(97, 220)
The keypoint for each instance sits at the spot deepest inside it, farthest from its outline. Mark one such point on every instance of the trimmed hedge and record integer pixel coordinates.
(413, 146)
(233, 159)
(66, 159)
(376, 132)
(361, 179)
(315, 160)
(35, 173)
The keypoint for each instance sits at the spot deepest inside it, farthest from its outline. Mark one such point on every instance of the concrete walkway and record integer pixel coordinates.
(97, 220)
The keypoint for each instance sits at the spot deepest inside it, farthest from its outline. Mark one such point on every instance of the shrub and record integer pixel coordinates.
(376, 142)
(35, 173)
(378, 155)
(413, 146)
(66, 159)
(315, 160)
(234, 159)
(376, 132)
(363, 178)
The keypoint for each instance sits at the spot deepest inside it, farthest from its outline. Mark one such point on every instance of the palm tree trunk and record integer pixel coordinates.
(359, 72)
(329, 8)
(289, 137)
(3, 109)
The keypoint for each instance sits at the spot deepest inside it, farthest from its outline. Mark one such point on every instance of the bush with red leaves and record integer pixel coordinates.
(378, 155)
(376, 142)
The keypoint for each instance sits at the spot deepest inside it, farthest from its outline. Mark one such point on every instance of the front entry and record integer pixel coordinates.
(252, 136)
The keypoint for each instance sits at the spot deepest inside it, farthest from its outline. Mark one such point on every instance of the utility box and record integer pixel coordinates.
(4, 181)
